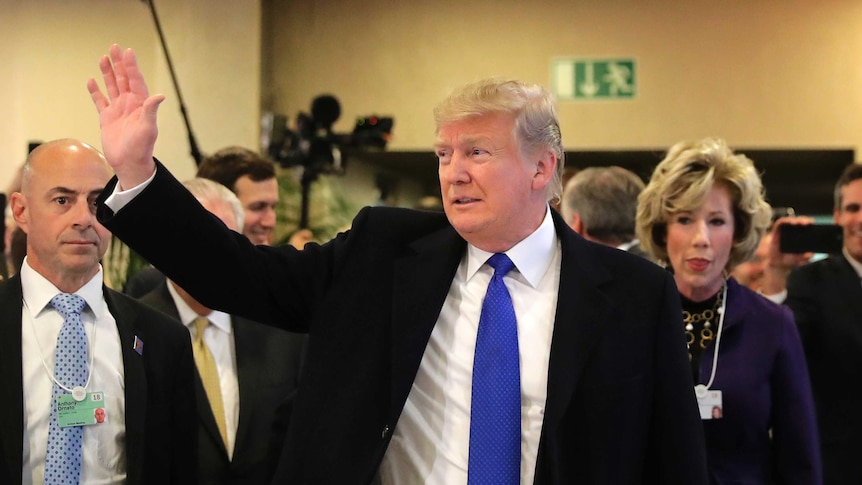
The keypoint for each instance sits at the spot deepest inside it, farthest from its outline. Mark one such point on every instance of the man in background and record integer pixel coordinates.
(14, 239)
(750, 273)
(826, 299)
(242, 416)
(253, 179)
(767, 270)
(133, 361)
(600, 204)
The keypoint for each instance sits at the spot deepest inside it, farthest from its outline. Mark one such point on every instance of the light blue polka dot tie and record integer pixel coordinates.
(63, 458)
(495, 410)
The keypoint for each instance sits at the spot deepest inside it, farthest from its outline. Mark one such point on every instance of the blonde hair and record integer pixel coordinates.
(682, 181)
(533, 107)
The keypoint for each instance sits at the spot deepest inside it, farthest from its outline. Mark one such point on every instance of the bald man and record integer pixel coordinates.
(137, 364)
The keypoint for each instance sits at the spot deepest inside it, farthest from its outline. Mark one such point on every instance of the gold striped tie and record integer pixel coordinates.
(209, 375)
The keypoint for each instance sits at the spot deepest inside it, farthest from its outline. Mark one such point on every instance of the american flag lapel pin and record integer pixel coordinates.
(138, 346)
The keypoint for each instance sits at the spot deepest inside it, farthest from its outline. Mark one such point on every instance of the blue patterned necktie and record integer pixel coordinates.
(63, 458)
(495, 409)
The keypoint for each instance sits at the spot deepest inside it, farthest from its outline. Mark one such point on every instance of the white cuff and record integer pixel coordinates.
(119, 198)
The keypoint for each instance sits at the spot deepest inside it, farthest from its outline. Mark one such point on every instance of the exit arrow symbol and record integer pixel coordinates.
(589, 86)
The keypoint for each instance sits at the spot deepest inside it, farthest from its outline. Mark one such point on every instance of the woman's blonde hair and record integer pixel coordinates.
(682, 181)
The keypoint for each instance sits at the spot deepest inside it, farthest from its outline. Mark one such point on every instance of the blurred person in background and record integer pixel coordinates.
(767, 269)
(600, 204)
(826, 299)
(252, 178)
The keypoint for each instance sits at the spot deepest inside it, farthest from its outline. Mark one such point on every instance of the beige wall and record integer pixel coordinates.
(760, 73)
(49, 48)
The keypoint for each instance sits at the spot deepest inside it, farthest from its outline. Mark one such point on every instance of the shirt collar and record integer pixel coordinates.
(219, 319)
(857, 266)
(532, 256)
(628, 245)
(38, 291)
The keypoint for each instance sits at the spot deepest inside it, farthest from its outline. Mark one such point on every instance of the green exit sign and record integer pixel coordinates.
(601, 79)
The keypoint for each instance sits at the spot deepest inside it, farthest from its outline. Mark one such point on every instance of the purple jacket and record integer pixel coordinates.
(765, 387)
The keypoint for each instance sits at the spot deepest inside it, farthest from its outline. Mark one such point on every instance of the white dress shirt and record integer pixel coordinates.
(104, 445)
(430, 444)
(857, 266)
(628, 245)
(219, 338)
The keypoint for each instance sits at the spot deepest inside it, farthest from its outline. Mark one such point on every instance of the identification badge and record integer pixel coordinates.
(710, 405)
(90, 410)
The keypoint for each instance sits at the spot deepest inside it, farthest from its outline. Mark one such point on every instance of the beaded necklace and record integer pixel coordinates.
(701, 323)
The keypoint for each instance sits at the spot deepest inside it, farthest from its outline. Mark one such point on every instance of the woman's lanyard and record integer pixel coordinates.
(700, 390)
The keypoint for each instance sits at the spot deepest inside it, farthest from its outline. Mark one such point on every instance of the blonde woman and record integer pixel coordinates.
(702, 213)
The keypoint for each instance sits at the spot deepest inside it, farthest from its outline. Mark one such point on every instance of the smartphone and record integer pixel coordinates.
(812, 238)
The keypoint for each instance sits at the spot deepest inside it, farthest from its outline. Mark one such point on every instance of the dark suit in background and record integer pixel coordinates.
(267, 366)
(160, 413)
(143, 282)
(620, 406)
(826, 299)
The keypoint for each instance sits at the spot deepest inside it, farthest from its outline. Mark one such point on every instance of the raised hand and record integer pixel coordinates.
(127, 117)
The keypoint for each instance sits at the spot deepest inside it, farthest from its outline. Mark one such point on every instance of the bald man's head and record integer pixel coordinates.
(56, 208)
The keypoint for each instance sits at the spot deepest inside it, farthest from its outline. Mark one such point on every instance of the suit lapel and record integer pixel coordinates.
(205, 413)
(847, 281)
(135, 384)
(161, 299)
(12, 405)
(419, 290)
(248, 377)
(582, 308)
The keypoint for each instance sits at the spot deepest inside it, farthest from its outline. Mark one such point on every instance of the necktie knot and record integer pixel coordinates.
(201, 324)
(501, 264)
(68, 305)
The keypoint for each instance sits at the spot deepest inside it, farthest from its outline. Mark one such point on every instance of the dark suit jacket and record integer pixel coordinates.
(620, 407)
(143, 282)
(161, 442)
(826, 299)
(267, 363)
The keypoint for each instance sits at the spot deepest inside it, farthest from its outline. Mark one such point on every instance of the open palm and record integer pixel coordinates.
(127, 116)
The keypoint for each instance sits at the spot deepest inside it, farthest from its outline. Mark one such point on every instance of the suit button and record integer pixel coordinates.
(385, 432)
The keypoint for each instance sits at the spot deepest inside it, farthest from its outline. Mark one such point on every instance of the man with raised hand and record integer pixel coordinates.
(558, 361)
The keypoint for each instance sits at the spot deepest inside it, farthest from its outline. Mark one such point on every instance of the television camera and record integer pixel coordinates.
(314, 146)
